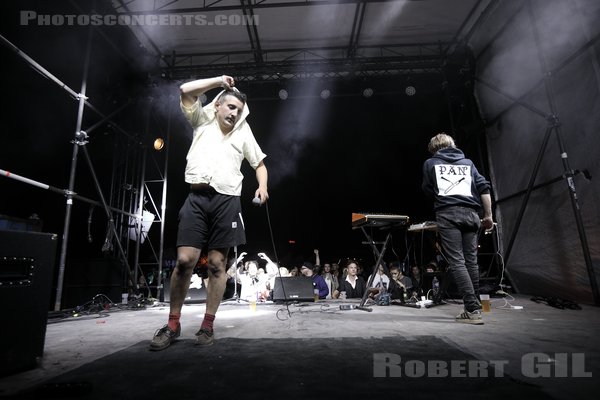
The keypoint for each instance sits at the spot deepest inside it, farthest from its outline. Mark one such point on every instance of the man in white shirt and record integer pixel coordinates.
(380, 280)
(211, 216)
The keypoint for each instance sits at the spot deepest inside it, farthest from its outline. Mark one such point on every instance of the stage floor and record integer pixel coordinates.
(319, 351)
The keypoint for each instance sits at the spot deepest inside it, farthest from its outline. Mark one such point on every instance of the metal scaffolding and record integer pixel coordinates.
(124, 207)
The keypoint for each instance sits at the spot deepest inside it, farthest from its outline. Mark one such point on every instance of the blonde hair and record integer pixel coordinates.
(440, 141)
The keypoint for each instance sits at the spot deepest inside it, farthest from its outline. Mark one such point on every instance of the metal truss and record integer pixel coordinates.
(327, 62)
(257, 64)
(221, 5)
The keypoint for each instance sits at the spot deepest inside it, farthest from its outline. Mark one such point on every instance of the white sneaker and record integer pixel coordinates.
(470, 317)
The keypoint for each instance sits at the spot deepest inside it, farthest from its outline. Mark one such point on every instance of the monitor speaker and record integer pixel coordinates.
(194, 295)
(293, 288)
(27, 261)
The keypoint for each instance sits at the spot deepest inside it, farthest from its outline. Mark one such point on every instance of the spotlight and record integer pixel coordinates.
(283, 94)
(410, 91)
(159, 143)
(368, 92)
(325, 93)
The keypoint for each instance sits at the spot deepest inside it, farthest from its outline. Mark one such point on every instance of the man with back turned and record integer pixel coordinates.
(460, 193)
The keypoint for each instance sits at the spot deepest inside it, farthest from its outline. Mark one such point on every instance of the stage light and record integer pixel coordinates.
(410, 91)
(147, 219)
(283, 94)
(368, 92)
(325, 93)
(159, 143)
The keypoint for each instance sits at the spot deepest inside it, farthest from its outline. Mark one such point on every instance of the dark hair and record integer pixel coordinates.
(308, 265)
(234, 93)
(395, 264)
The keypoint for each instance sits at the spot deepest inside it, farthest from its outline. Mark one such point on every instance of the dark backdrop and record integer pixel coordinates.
(326, 158)
(546, 54)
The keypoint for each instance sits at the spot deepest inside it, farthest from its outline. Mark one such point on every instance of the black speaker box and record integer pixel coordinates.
(293, 288)
(194, 294)
(27, 261)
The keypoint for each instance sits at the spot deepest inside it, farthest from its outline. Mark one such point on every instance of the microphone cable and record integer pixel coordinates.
(271, 234)
(277, 260)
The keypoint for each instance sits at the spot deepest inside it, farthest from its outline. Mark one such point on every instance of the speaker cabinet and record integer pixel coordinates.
(293, 288)
(27, 261)
(195, 295)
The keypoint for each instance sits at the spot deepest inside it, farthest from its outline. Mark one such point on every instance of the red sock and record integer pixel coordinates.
(207, 323)
(173, 321)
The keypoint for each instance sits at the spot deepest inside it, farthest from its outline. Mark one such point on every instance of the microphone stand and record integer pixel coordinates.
(236, 296)
(235, 275)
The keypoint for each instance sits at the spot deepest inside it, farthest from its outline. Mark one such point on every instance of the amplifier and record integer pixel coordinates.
(293, 288)
(27, 261)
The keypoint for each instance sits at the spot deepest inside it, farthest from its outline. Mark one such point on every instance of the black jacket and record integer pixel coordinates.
(450, 179)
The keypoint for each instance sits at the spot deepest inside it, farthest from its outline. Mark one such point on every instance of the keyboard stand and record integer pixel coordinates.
(379, 255)
(389, 221)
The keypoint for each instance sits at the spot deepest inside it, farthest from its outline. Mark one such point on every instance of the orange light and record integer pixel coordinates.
(159, 143)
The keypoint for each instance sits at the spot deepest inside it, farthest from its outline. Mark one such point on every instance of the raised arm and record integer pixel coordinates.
(191, 90)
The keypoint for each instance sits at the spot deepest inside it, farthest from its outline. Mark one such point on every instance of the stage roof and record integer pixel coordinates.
(286, 39)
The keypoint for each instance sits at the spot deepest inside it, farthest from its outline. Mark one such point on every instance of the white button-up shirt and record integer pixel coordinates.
(216, 158)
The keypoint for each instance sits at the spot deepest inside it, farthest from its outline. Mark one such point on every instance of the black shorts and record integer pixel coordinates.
(211, 219)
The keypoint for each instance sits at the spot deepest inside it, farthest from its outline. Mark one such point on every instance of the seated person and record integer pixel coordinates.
(400, 284)
(237, 269)
(330, 279)
(380, 280)
(318, 281)
(353, 285)
(417, 280)
(271, 271)
(253, 287)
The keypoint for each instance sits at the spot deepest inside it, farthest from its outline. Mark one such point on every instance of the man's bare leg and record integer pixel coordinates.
(217, 281)
(187, 258)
